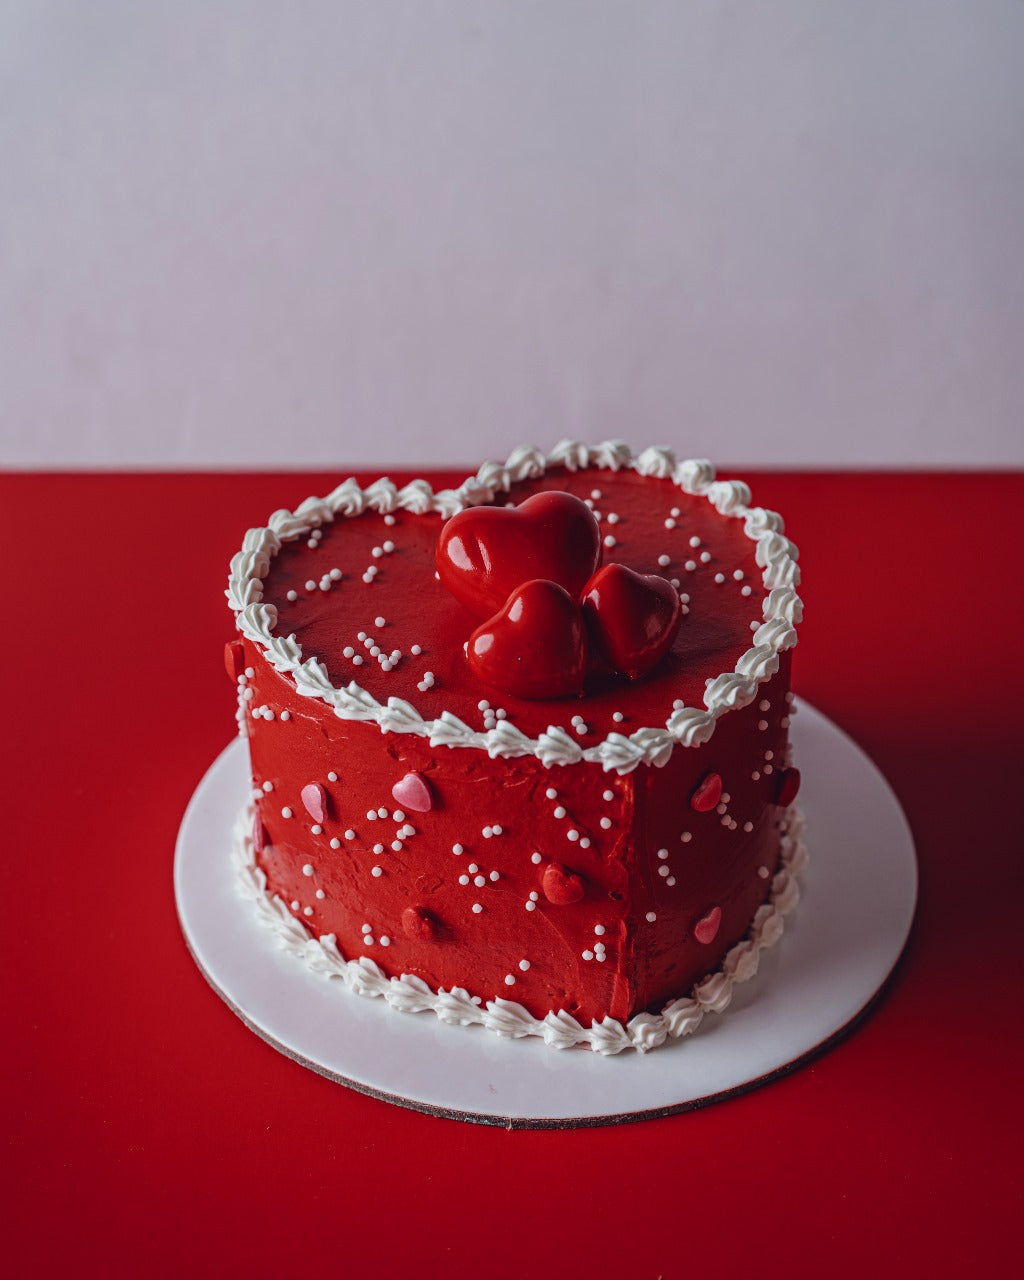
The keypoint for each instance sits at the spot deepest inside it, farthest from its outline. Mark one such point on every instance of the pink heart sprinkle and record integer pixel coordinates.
(413, 793)
(315, 799)
(706, 928)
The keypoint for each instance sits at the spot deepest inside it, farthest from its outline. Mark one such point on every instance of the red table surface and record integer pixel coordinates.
(149, 1133)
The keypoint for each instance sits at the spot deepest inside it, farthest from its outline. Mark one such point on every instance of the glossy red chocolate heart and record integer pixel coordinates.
(632, 617)
(561, 886)
(484, 553)
(535, 646)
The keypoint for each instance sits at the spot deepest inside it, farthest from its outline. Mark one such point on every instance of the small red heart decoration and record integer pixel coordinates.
(234, 660)
(419, 924)
(535, 646)
(632, 617)
(561, 886)
(314, 797)
(707, 793)
(786, 787)
(484, 553)
(412, 792)
(706, 928)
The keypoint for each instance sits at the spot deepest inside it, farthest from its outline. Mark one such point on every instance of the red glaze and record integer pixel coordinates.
(412, 792)
(707, 793)
(632, 617)
(535, 646)
(561, 886)
(314, 798)
(787, 787)
(706, 928)
(484, 553)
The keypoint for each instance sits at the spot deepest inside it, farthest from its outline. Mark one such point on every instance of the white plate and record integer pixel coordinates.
(839, 947)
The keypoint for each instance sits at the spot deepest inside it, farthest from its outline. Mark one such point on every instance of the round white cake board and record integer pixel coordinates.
(839, 947)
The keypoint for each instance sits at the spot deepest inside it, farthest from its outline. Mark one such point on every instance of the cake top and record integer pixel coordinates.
(344, 597)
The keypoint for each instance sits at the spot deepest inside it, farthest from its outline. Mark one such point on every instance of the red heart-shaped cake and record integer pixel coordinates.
(535, 646)
(484, 553)
(632, 617)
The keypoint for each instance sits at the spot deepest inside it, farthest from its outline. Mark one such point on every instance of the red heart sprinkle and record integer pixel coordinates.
(412, 792)
(633, 617)
(234, 660)
(535, 646)
(561, 886)
(484, 553)
(419, 924)
(314, 797)
(786, 787)
(706, 928)
(707, 793)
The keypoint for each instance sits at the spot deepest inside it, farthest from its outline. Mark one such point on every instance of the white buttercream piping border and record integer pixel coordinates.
(410, 994)
(782, 609)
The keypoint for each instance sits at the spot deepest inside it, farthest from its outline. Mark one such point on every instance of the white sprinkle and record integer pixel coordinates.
(473, 868)
(612, 517)
(463, 879)
(536, 858)
(695, 542)
(268, 786)
(496, 829)
(307, 869)
(286, 715)
(310, 585)
(397, 846)
(746, 591)
(663, 854)
(376, 871)
(477, 908)
(316, 829)
(336, 843)
(357, 661)
(651, 917)
(617, 716)
(762, 724)
(737, 575)
(755, 776)
(609, 541)
(534, 895)
(332, 776)
(572, 834)
(389, 519)
(487, 833)
(531, 906)
(509, 980)
(764, 705)
(686, 837)
(606, 823)
(398, 815)
(670, 523)
(295, 905)
(457, 848)
(335, 575)
(371, 815)
(382, 812)
(690, 566)
(501, 713)
(559, 811)
(524, 965)
(599, 929)
(385, 941)
(479, 881)
(705, 557)
(763, 872)
(377, 552)
(670, 881)
(748, 827)
(663, 871)
(585, 842)
(292, 595)
(307, 911)
(768, 770)
(494, 876)
(389, 546)
(719, 578)
(596, 494)
(588, 954)
(664, 561)
(320, 893)
(379, 622)
(551, 793)
(366, 928)
(286, 812)
(415, 650)
(483, 705)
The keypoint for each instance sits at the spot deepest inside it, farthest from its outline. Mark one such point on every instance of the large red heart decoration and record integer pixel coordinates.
(632, 617)
(484, 553)
(535, 646)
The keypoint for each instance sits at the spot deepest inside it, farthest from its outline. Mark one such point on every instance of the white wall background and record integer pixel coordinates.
(244, 233)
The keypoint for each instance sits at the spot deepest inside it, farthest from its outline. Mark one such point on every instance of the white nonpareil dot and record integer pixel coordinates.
(268, 786)
(495, 875)
(479, 881)
(535, 858)
(415, 650)
(705, 557)
(609, 541)
(670, 881)
(335, 575)
(286, 812)
(509, 980)
(534, 895)
(559, 812)
(398, 815)
(651, 917)
(663, 853)
(599, 929)
(371, 814)
(376, 871)
(320, 893)
(316, 829)
(746, 591)
(670, 523)
(763, 872)
(456, 848)
(307, 911)
(357, 661)
(310, 585)
(295, 905)
(664, 561)
(663, 871)
(336, 843)
(695, 542)
(389, 546)
(737, 575)
(382, 812)
(463, 879)
(385, 941)
(551, 793)
(496, 829)
(618, 717)
(762, 725)
(606, 823)
(588, 954)
(524, 965)
(686, 836)
(613, 517)
(379, 622)
(585, 842)
(332, 776)
(396, 846)
(572, 834)
(719, 578)
(531, 906)
(748, 827)
(349, 834)
(608, 795)
(487, 833)
(367, 928)
(292, 595)
(477, 908)
(307, 869)
(690, 566)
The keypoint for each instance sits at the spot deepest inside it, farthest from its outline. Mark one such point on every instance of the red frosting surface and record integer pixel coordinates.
(559, 887)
